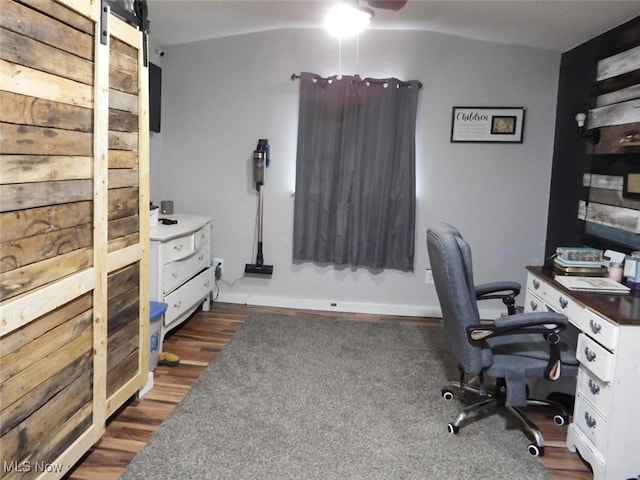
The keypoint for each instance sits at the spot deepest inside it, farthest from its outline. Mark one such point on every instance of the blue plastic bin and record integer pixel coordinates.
(156, 312)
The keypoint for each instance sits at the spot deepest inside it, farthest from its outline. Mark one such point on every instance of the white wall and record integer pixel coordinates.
(221, 96)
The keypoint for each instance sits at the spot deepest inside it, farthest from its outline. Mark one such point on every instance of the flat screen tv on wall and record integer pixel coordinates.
(155, 94)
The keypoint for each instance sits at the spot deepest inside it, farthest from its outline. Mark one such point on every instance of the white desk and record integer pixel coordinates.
(605, 429)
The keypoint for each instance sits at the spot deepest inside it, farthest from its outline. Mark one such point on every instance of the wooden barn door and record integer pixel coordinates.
(127, 211)
(73, 282)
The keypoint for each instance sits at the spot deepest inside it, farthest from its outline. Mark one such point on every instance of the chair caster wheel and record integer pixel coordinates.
(453, 429)
(535, 450)
(560, 419)
(447, 394)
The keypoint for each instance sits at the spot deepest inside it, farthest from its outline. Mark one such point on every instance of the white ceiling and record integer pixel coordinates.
(549, 25)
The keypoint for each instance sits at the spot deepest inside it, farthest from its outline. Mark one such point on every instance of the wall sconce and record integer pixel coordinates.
(593, 134)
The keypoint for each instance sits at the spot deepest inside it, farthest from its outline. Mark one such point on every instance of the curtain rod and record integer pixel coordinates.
(295, 76)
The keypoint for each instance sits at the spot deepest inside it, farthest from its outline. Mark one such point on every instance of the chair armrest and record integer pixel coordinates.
(548, 324)
(505, 291)
(491, 290)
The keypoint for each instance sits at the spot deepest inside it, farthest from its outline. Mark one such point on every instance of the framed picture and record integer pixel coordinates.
(487, 124)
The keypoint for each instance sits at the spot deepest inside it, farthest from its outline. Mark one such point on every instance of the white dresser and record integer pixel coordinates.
(605, 429)
(181, 271)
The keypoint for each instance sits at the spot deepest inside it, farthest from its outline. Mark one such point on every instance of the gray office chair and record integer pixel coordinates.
(509, 349)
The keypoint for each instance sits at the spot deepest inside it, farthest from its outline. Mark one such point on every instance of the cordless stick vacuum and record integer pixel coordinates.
(260, 162)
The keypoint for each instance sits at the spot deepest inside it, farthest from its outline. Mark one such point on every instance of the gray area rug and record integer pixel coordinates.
(318, 398)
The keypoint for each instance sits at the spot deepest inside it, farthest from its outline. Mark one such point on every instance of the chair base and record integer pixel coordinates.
(496, 400)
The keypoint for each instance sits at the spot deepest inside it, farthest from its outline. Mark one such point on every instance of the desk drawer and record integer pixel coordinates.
(595, 358)
(598, 328)
(591, 423)
(555, 299)
(597, 392)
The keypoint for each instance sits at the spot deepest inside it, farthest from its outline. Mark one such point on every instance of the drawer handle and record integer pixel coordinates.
(590, 356)
(201, 257)
(591, 422)
(595, 327)
(534, 306)
(536, 284)
(178, 248)
(177, 305)
(563, 302)
(594, 387)
(207, 283)
(174, 274)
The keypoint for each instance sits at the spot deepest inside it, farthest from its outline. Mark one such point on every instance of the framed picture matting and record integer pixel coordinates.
(487, 124)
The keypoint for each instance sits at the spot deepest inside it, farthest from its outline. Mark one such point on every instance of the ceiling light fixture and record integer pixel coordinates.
(344, 21)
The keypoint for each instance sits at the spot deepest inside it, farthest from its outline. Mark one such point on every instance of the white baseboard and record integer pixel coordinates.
(345, 307)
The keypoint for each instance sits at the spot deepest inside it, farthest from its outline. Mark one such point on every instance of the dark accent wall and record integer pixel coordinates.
(574, 156)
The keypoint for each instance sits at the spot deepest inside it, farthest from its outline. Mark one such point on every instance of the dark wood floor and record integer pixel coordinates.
(198, 342)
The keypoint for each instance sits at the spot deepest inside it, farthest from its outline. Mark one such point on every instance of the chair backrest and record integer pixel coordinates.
(450, 258)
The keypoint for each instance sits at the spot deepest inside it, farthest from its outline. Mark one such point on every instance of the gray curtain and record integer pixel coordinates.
(355, 172)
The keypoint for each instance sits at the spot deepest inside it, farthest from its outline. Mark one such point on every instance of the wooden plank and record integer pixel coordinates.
(19, 337)
(36, 373)
(612, 197)
(122, 310)
(122, 121)
(121, 227)
(27, 110)
(20, 442)
(123, 140)
(612, 234)
(19, 196)
(122, 344)
(26, 140)
(36, 221)
(628, 93)
(21, 19)
(122, 373)
(33, 249)
(28, 81)
(123, 202)
(15, 362)
(56, 10)
(623, 218)
(12, 415)
(43, 168)
(124, 242)
(123, 280)
(617, 114)
(615, 65)
(125, 255)
(609, 182)
(25, 51)
(123, 159)
(611, 140)
(38, 274)
(123, 101)
(123, 72)
(21, 311)
(124, 177)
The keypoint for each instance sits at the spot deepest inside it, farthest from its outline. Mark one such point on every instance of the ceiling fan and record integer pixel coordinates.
(387, 4)
(346, 19)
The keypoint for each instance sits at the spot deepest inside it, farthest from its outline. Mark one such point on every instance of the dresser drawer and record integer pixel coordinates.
(598, 328)
(595, 358)
(178, 248)
(184, 298)
(533, 303)
(176, 273)
(201, 237)
(597, 392)
(591, 423)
